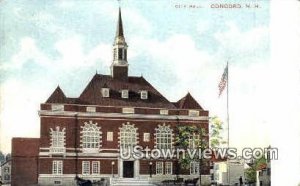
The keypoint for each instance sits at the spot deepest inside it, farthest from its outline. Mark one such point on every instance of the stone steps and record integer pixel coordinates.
(130, 182)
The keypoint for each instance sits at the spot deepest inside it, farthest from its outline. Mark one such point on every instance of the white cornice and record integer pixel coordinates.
(120, 115)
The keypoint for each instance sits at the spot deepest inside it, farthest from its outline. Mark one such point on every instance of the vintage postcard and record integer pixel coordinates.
(128, 92)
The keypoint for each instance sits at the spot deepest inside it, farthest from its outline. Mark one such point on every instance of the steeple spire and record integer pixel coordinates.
(119, 67)
(119, 32)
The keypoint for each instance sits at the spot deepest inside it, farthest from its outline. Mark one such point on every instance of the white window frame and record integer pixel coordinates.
(128, 136)
(105, 92)
(110, 136)
(168, 167)
(91, 137)
(57, 167)
(86, 168)
(90, 109)
(164, 112)
(144, 94)
(6, 169)
(96, 167)
(216, 166)
(159, 168)
(194, 113)
(216, 176)
(146, 137)
(57, 107)
(57, 140)
(194, 141)
(164, 137)
(125, 94)
(194, 168)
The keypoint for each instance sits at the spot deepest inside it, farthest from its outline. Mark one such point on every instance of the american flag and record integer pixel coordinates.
(223, 82)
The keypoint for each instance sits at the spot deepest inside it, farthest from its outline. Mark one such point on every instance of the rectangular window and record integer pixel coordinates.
(57, 167)
(194, 141)
(268, 171)
(128, 137)
(6, 169)
(194, 167)
(85, 167)
(164, 112)
(144, 94)
(96, 167)
(120, 53)
(124, 93)
(216, 167)
(168, 168)
(57, 140)
(105, 92)
(164, 137)
(128, 110)
(125, 54)
(91, 109)
(7, 177)
(115, 54)
(110, 136)
(57, 182)
(193, 113)
(57, 107)
(216, 176)
(159, 167)
(146, 137)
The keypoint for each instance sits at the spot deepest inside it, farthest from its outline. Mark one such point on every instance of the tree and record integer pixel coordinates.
(216, 128)
(182, 141)
(250, 173)
(8, 157)
(184, 133)
(2, 157)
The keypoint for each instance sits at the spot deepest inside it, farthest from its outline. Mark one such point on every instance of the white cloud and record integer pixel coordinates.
(27, 51)
(243, 45)
(73, 54)
(178, 53)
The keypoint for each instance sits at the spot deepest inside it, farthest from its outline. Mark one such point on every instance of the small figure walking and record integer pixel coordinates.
(241, 180)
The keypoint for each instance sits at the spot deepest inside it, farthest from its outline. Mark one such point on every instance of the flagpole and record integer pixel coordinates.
(228, 169)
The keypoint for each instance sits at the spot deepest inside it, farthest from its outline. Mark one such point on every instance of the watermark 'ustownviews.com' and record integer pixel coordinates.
(139, 152)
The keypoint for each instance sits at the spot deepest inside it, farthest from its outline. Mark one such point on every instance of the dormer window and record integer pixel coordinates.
(144, 94)
(105, 92)
(125, 94)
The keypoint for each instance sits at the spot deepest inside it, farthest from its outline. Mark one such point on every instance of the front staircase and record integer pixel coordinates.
(130, 181)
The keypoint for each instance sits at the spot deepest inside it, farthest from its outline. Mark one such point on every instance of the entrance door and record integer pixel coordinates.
(128, 169)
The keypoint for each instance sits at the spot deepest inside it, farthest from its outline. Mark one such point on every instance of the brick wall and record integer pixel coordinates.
(24, 161)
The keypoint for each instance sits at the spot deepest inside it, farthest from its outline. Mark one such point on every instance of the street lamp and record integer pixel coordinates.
(150, 169)
(112, 168)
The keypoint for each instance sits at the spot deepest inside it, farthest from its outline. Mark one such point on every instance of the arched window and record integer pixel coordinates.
(128, 136)
(164, 137)
(57, 138)
(91, 137)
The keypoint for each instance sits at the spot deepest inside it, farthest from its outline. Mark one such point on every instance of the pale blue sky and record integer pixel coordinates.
(46, 43)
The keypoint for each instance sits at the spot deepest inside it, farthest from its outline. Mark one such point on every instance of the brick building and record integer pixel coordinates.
(5, 172)
(83, 136)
